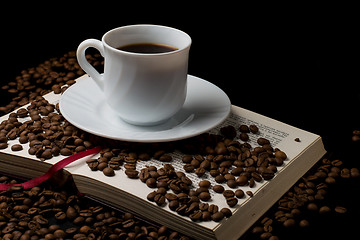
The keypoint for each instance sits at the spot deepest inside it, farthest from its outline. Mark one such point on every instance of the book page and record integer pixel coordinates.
(280, 135)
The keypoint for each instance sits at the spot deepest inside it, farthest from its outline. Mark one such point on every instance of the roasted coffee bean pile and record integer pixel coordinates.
(52, 75)
(226, 160)
(184, 201)
(117, 154)
(42, 213)
(44, 129)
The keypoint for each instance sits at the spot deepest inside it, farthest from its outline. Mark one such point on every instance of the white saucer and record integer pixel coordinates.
(206, 106)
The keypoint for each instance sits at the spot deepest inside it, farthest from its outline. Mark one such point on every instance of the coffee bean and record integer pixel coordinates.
(187, 158)
(65, 152)
(151, 182)
(239, 193)
(218, 188)
(231, 201)
(60, 215)
(16, 147)
(108, 171)
(254, 129)
(280, 155)
(244, 129)
(174, 204)
(3, 145)
(324, 210)
(242, 180)
(165, 158)
(227, 212)
(345, 173)
(131, 173)
(312, 207)
(244, 137)
(232, 183)
(204, 196)
(289, 223)
(204, 183)
(263, 141)
(304, 223)
(196, 216)
(354, 172)
(228, 131)
(250, 193)
(340, 209)
(220, 179)
(228, 193)
(189, 168)
(217, 217)
(200, 171)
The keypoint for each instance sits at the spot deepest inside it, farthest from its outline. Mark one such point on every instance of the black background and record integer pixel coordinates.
(297, 64)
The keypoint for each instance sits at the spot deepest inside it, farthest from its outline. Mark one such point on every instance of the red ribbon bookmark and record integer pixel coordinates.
(52, 170)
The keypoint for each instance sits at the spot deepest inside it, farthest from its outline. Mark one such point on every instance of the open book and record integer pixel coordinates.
(303, 149)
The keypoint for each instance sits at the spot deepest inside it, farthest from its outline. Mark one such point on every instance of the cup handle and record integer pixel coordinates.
(85, 65)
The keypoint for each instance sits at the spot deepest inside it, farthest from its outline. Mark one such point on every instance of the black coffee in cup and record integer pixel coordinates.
(147, 48)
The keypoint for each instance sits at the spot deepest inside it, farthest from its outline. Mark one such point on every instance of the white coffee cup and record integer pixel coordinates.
(143, 88)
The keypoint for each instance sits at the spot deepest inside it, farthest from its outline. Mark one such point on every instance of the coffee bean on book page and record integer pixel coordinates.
(231, 201)
(227, 212)
(244, 137)
(16, 147)
(263, 141)
(3, 145)
(250, 193)
(228, 193)
(253, 128)
(218, 188)
(165, 158)
(204, 196)
(244, 129)
(239, 193)
(108, 171)
(217, 217)
(131, 173)
(280, 154)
